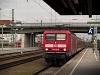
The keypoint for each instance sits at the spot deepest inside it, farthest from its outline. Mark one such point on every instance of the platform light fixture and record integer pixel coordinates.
(80, 13)
(76, 1)
(64, 3)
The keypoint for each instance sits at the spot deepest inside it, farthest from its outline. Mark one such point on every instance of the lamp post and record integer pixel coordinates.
(2, 29)
(2, 35)
(15, 36)
(21, 35)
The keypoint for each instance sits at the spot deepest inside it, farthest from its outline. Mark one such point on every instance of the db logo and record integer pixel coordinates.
(55, 45)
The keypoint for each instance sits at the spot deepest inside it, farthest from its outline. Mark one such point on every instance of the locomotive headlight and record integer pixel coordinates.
(64, 49)
(46, 49)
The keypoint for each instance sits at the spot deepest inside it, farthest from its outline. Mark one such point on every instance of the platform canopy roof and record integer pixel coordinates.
(75, 7)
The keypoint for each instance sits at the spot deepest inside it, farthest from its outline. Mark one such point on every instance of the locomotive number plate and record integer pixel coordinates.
(55, 45)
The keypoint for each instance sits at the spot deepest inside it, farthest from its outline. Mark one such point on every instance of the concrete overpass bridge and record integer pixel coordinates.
(40, 27)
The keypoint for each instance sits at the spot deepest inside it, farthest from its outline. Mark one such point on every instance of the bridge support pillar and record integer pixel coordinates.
(32, 39)
(28, 40)
(25, 40)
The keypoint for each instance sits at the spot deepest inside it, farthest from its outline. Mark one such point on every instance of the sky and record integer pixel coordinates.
(33, 11)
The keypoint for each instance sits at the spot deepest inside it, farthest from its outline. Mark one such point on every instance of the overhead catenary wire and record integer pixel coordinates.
(23, 19)
(38, 12)
(16, 19)
(45, 10)
(4, 9)
(42, 17)
(5, 16)
(35, 10)
(5, 6)
(10, 12)
(9, 17)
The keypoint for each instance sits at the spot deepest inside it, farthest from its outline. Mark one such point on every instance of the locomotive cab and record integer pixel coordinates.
(59, 45)
(55, 44)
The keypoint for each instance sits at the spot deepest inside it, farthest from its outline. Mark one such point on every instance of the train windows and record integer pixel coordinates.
(79, 42)
(61, 37)
(55, 36)
(50, 36)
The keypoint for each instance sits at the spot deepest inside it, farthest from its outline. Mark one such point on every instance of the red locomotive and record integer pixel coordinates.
(17, 44)
(58, 45)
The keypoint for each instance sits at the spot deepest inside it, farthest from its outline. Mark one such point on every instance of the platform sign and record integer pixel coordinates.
(91, 31)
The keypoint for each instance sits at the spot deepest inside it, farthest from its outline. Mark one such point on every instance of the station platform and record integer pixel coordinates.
(85, 63)
(14, 50)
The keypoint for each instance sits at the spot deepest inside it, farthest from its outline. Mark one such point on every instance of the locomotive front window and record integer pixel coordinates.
(60, 37)
(50, 36)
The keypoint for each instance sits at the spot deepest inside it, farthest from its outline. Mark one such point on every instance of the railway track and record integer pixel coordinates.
(17, 59)
(48, 70)
(18, 55)
(41, 70)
